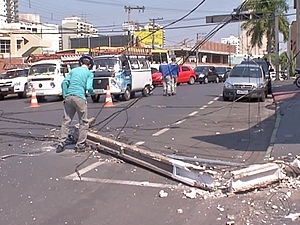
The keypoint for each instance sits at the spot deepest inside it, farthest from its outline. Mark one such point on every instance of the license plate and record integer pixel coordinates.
(242, 92)
(4, 89)
(99, 91)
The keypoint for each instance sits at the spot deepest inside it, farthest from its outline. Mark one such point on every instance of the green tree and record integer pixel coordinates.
(265, 26)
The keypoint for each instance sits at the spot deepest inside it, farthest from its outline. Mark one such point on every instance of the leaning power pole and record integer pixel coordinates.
(128, 9)
(154, 28)
(297, 7)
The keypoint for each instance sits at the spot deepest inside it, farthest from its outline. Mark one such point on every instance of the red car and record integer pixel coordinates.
(186, 75)
(156, 76)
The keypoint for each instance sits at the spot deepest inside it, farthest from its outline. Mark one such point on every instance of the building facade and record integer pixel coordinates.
(75, 27)
(9, 11)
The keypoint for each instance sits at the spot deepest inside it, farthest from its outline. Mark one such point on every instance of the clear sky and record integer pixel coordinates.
(108, 15)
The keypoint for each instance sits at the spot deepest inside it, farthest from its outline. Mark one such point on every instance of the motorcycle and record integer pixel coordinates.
(297, 75)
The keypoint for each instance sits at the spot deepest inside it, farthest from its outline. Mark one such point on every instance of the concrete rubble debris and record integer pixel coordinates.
(201, 173)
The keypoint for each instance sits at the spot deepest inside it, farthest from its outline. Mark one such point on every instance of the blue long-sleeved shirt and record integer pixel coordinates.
(78, 82)
(164, 69)
(174, 69)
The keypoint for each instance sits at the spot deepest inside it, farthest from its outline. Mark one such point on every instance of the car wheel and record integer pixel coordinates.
(225, 98)
(95, 98)
(126, 95)
(205, 80)
(146, 91)
(24, 93)
(191, 80)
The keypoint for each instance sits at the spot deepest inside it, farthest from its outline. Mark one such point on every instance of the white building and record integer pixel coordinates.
(8, 11)
(75, 27)
(28, 36)
(232, 40)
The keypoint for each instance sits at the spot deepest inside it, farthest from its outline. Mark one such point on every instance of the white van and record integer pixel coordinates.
(123, 74)
(45, 76)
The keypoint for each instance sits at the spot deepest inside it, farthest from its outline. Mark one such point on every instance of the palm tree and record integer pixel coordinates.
(265, 26)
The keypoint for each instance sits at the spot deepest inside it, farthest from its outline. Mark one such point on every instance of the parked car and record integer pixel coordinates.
(14, 81)
(206, 74)
(156, 77)
(266, 68)
(221, 70)
(246, 80)
(186, 75)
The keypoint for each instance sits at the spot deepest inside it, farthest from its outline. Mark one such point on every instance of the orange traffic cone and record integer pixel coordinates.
(108, 99)
(33, 102)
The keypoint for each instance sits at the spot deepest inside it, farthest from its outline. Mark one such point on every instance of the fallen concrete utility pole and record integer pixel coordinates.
(247, 178)
(254, 176)
(178, 170)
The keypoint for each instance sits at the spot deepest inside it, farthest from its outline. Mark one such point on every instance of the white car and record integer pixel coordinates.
(246, 81)
(14, 81)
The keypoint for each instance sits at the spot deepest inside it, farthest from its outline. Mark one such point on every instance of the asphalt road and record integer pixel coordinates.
(41, 187)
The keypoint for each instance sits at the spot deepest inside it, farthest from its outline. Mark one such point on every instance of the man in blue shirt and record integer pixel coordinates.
(174, 70)
(165, 70)
(74, 88)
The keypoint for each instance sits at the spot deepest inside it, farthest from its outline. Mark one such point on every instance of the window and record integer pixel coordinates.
(19, 42)
(4, 46)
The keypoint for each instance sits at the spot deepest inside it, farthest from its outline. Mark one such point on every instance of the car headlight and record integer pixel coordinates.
(228, 85)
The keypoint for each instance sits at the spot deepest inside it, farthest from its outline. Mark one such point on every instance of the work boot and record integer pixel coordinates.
(80, 148)
(60, 148)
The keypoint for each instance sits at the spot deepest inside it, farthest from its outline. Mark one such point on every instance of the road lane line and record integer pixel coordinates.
(179, 122)
(84, 170)
(131, 183)
(204, 107)
(193, 113)
(139, 143)
(210, 102)
(161, 132)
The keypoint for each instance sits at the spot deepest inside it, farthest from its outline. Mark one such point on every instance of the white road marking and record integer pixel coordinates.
(84, 170)
(203, 107)
(74, 177)
(132, 183)
(161, 132)
(139, 143)
(210, 102)
(193, 113)
(179, 122)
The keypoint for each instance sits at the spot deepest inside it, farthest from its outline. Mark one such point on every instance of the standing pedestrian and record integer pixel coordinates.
(174, 70)
(165, 70)
(74, 88)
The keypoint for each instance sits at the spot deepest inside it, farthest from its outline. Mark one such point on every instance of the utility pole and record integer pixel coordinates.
(297, 7)
(276, 47)
(153, 30)
(128, 9)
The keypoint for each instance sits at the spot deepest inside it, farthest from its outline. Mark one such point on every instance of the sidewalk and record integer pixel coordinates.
(285, 141)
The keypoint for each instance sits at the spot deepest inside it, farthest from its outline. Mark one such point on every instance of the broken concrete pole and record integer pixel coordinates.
(178, 170)
(254, 176)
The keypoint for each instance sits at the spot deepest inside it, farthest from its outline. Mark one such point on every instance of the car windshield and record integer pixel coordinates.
(241, 71)
(261, 63)
(107, 63)
(200, 69)
(17, 73)
(44, 69)
(220, 70)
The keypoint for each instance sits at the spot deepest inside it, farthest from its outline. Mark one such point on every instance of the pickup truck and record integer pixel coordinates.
(14, 81)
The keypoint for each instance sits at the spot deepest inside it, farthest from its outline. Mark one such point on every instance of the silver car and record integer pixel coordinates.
(246, 81)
